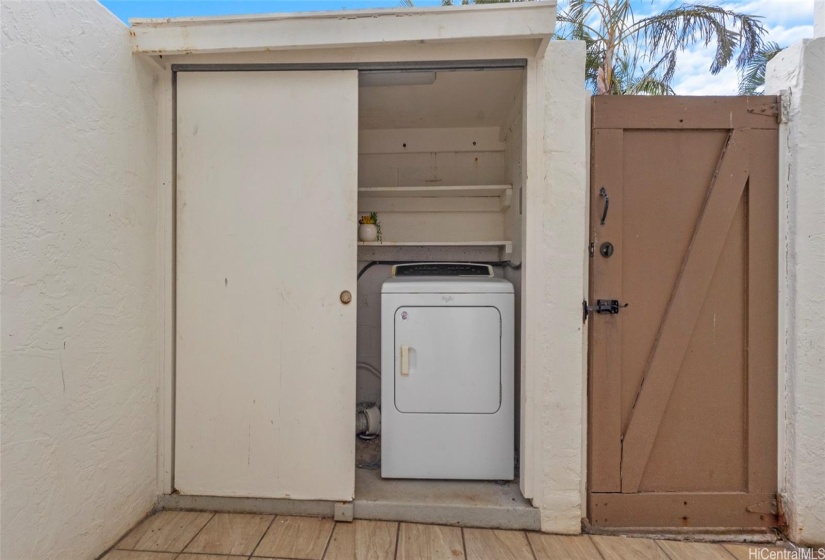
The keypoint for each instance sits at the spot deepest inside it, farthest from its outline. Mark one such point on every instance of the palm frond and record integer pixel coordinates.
(689, 24)
(656, 80)
(662, 72)
(621, 76)
(629, 55)
(571, 25)
(651, 86)
(576, 10)
(752, 77)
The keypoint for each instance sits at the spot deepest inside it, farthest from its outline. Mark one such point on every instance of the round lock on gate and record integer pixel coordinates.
(346, 297)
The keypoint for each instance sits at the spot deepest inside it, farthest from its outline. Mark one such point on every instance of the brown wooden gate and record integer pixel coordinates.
(682, 389)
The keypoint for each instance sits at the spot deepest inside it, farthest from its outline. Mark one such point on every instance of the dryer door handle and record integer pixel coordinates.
(405, 360)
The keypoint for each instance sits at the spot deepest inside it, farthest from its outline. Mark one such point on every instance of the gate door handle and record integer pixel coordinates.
(603, 194)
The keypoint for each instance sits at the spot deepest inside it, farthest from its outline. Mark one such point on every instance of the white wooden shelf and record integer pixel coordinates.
(438, 190)
(503, 192)
(507, 246)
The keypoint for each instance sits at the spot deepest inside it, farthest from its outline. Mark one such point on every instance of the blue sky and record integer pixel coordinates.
(787, 21)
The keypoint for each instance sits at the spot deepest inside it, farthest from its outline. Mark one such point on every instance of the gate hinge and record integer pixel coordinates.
(767, 506)
(784, 106)
(769, 110)
(781, 519)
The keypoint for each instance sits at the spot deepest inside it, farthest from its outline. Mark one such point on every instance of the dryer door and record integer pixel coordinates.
(448, 360)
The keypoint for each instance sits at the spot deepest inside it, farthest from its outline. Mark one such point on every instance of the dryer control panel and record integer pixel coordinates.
(442, 269)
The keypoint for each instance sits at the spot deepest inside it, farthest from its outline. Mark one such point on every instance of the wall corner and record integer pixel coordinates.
(561, 350)
(799, 73)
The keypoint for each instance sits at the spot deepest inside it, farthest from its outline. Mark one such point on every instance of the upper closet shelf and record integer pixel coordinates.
(504, 192)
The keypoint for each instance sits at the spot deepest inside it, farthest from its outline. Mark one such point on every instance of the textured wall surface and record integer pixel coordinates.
(79, 362)
(369, 330)
(800, 69)
(561, 347)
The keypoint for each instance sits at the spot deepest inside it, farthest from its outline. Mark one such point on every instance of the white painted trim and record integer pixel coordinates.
(588, 131)
(782, 295)
(166, 282)
(329, 14)
(506, 246)
(436, 53)
(531, 276)
(529, 20)
(439, 191)
(557, 213)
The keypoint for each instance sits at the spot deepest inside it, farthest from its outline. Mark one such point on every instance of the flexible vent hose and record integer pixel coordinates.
(370, 368)
(368, 422)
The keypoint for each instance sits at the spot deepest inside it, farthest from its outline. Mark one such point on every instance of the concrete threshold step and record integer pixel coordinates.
(443, 502)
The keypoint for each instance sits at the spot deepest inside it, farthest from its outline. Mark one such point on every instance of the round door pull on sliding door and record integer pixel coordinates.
(606, 249)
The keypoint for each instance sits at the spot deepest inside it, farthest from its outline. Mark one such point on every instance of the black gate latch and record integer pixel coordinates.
(603, 306)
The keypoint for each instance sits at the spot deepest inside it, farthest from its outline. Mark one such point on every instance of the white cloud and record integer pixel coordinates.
(790, 35)
(725, 82)
(693, 75)
(777, 11)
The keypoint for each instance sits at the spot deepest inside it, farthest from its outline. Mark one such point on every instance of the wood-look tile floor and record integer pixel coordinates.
(185, 535)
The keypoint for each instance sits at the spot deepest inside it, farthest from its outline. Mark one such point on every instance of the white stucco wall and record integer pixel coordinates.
(562, 249)
(79, 343)
(800, 70)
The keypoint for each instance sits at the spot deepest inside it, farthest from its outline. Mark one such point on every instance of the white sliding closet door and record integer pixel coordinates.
(266, 244)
